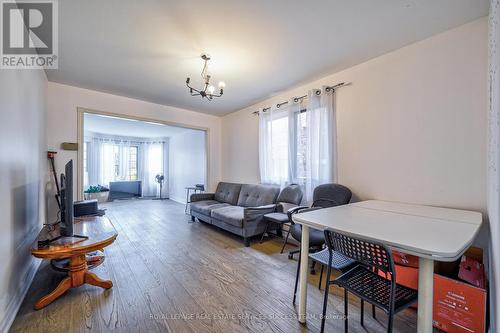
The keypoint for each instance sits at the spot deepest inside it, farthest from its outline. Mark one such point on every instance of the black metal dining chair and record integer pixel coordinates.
(364, 280)
(337, 261)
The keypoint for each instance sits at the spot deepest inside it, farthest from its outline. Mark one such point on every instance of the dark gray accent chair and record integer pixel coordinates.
(237, 208)
(292, 194)
(324, 196)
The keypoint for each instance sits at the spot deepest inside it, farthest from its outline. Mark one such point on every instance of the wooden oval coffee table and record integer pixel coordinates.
(100, 233)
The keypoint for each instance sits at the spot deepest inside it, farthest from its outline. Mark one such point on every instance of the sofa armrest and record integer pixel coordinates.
(201, 196)
(251, 214)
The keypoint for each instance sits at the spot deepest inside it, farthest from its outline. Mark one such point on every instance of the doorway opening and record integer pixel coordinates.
(124, 158)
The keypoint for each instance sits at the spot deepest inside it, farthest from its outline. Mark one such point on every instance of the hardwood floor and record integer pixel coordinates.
(170, 275)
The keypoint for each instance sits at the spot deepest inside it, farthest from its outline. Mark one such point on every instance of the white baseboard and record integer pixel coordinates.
(17, 300)
(178, 200)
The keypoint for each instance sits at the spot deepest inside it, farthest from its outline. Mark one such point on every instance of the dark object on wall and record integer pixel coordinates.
(69, 146)
(51, 155)
(85, 207)
(125, 190)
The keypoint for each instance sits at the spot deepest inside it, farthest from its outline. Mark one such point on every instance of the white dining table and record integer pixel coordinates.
(431, 233)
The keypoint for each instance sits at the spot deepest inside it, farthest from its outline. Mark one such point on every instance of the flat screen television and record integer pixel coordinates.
(67, 200)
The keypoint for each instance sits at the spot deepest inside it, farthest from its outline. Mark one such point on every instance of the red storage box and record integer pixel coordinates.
(472, 271)
(401, 258)
(458, 306)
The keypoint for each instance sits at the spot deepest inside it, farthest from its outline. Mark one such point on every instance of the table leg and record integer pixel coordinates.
(304, 259)
(78, 275)
(425, 295)
(63, 286)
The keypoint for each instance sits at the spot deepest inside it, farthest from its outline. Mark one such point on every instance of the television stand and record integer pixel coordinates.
(101, 233)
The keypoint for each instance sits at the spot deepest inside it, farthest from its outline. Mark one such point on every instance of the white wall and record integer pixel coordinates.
(63, 101)
(411, 127)
(23, 162)
(494, 163)
(187, 163)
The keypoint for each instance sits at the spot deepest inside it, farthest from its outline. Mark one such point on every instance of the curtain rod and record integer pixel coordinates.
(296, 99)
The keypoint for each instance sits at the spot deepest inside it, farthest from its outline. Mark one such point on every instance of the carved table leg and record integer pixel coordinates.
(63, 286)
(77, 270)
(94, 280)
(78, 275)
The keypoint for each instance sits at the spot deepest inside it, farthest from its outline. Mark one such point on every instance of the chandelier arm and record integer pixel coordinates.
(192, 88)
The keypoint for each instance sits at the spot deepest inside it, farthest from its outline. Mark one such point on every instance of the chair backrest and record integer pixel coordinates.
(331, 195)
(291, 194)
(368, 253)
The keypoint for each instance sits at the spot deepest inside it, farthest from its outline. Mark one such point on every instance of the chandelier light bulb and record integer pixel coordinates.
(211, 89)
(222, 85)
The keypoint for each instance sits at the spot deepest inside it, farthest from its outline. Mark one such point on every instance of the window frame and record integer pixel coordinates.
(136, 166)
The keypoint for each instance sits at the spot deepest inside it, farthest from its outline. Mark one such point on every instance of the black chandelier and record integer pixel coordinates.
(208, 91)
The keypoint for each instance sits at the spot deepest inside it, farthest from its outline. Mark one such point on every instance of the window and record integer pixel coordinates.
(300, 146)
(124, 162)
(132, 169)
(285, 148)
(278, 134)
(86, 162)
(116, 161)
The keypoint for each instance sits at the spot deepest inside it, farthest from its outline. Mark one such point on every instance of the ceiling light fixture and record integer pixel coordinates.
(208, 91)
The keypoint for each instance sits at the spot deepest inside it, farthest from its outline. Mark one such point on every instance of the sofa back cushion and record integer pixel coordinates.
(228, 193)
(257, 195)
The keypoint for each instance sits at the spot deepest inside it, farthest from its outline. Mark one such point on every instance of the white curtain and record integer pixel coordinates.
(494, 162)
(110, 160)
(124, 159)
(100, 162)
(275, 144)
(297, 143)
(150, 164)
(321, 140)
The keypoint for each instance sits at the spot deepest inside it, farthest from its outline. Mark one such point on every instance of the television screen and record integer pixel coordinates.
(67, 200)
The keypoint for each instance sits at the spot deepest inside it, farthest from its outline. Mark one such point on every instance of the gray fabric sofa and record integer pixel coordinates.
(238, 208)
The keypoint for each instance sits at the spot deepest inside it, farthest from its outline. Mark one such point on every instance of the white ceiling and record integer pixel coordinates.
(145, 49)
(129, 128)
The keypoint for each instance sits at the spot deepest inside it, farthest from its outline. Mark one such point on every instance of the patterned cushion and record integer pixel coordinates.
(257, 195)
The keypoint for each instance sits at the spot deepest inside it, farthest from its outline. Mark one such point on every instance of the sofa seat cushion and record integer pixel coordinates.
(205, 207)
(232, 215)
